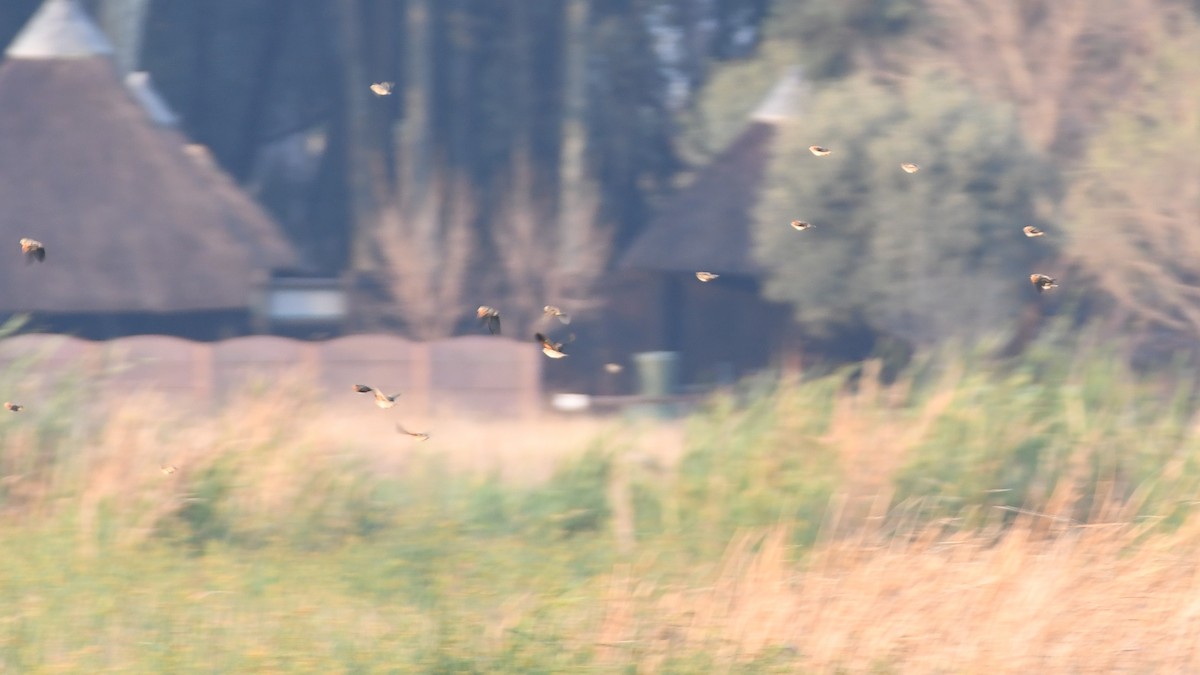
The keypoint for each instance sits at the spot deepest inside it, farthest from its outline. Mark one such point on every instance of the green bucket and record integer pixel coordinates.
(658, 374)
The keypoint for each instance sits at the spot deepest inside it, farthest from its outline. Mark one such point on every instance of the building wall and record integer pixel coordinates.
(722, 329)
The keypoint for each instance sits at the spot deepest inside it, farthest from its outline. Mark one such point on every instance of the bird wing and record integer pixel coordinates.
(493, 324)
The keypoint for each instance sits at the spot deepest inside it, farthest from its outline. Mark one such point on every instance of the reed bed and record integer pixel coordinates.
(970, 516)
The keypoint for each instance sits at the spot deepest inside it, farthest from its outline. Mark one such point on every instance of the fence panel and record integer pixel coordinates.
(260, 361)
(484, 374)
(480, 374)
(160, 363)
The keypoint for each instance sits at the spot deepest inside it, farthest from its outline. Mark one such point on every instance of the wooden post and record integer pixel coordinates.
(422, 378)
(203, 373)
(530, 388)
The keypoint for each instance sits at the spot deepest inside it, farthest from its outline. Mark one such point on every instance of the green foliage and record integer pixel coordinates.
(919, 256)
(757, 465)
(835, 35)
(576, 498)
(1085, 428)
(427, 569)
(731, 94)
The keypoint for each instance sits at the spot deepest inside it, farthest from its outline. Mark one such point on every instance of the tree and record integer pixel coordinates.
(426, 242)
(1133, 209)
(840, 37)
(919, 257)
(630, 146)
(1058, 61)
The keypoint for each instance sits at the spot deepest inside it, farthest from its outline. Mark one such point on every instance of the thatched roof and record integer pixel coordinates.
(133, 218)
(706, 225)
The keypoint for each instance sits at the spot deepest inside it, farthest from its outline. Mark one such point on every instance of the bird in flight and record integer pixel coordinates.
(382, 88)
(381, 399)
(549, 347)
(800, 225)
(490, 317)
(15, 407)
(1031, 231)
(613, 368)
(168, 469)
(1043, 282)
(909, 167)
(33, 250)
(551, 310)
(706, 276)
(415, 434)
(819, 151)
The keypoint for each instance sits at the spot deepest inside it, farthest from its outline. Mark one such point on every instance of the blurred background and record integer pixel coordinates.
(593, 155)
(856, 449)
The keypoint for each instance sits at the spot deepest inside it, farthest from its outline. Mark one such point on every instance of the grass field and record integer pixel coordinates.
(970, 517)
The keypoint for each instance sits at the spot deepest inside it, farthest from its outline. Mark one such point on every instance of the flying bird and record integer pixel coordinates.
(549, 347)
(1043, 282)
(819, 151)
(706, 276)
(415, 434)
(489, 316)
(909, 167)
(168, 469)
(551, 310)
(613, 368)
(33, 250)
(382, 88)
(1031, 231)
(800, 225)
(381, 399)
(15, 407)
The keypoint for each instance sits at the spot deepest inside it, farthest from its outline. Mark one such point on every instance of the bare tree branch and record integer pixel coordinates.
(538, 268)
(1059, 61)
(427, 243)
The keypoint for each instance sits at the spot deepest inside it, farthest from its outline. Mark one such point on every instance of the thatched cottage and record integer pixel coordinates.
(143, 232)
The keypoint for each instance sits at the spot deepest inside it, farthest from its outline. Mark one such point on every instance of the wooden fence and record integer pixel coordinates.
(481, 374)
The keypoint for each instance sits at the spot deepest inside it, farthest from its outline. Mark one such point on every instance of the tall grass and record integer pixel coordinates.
(968, 516)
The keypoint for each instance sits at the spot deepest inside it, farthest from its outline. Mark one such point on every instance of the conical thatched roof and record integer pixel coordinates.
(706, 225)
(133, 218)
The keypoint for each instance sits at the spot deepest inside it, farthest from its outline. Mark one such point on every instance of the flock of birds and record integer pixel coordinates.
(489, 317)
(1041, 282)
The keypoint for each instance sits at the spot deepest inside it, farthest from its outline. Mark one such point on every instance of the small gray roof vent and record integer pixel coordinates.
(147, 96)
(783, 101)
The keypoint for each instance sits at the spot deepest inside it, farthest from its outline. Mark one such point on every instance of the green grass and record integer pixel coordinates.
(274, 549)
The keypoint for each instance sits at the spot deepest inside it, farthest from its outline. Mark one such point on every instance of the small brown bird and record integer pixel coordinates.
(415, 434)
(15, 407)
(551, 310)
(381, 399)
(33, 250)
(382, 88)
(800, 225)
(1031, 231)
(550, 348)
(909, 167)
(819, 151)
(1043, 282)
(490, 317)
(706, 276)
(613, 368)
